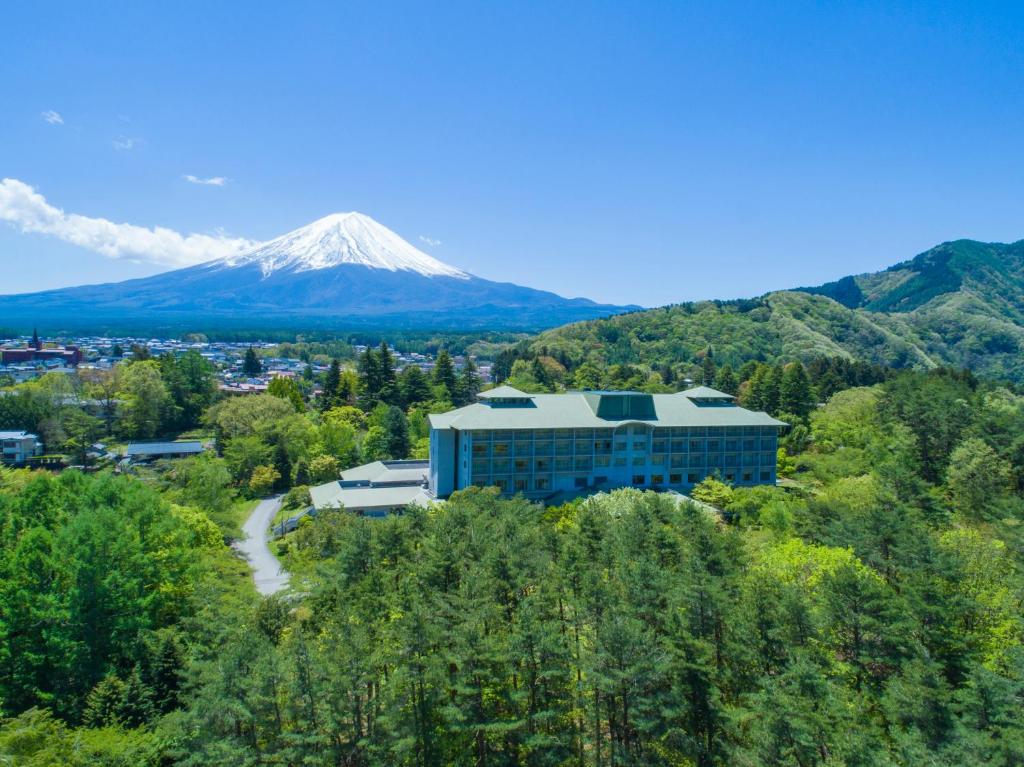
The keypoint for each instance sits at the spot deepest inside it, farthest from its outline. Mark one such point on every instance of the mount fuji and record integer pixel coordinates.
(342, 270)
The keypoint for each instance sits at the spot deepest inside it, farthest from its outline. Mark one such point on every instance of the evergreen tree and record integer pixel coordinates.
(444, 374)
(413, 386)
(795, 393)
(396, 429)
(727, 381)
(370, 380)
(468, 384)
(707, 369)
(332, 383)
(388, 391)
(36, 343)
(251, 364)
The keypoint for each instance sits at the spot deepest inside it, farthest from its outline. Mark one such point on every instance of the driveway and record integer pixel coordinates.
(266, 570)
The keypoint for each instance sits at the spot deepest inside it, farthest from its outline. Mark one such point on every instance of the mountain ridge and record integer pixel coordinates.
(958, 304)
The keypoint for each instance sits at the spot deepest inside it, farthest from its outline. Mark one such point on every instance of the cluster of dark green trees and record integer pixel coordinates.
(867, 615)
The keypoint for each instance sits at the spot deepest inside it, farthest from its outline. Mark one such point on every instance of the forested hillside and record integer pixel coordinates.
(868, 613)
(960, 304)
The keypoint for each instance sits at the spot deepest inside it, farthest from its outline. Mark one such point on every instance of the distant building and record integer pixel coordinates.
(69, 355)
(18, 447)
(553, 447)
(140, 452)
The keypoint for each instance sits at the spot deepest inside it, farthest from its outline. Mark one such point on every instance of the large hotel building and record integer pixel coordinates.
(552, 447)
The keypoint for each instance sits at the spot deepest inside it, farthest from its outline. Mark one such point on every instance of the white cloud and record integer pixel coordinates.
(125, 143)
(429, 241)
(52, 117)
(212, 181)
(24, 207)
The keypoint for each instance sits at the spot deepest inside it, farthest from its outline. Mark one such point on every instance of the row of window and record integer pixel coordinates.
(524, 465)
(637, 431)
(608, 447)
(543, 483)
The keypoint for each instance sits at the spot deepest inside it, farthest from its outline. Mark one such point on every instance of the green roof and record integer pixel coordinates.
(582, 410)
(503, 392)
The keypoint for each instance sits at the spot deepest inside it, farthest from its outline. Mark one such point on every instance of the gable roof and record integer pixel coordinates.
(706, 392)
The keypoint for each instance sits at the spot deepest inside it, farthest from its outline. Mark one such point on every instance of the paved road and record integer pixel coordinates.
(266, 570)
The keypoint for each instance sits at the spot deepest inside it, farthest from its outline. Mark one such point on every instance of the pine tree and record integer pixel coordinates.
(413, 386)
(795, 395)
(36, 343)
(726, 380)
(468, 384)
(368, 369)
(329, 397)
(444, 373)
(251, 365)
(388, 382)
(396, 427)
(707, 369)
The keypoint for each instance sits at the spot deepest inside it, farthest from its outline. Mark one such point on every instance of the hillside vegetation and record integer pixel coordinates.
(960, 304)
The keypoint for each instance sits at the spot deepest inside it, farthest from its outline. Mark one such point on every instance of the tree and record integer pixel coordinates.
(285, 388)
(324, 468)
(332, 382)
(795, 394)
(707, 368)
(712, 491)
(251, 364)
(82, 430)
(144, 400)
(468, 384)
(396, 426)
(243, 454)
(444, 374)
(375, 444)
(976, 478)
(263, 480)
(413, 386)
(388, 391)
(727, 381)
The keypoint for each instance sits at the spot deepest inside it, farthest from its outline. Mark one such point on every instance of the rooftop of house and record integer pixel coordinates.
(412, 472)
(162, 448)
(16, 435)
(513, 409)
(333, 496)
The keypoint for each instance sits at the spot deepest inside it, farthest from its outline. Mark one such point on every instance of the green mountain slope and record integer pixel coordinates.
(959, 304)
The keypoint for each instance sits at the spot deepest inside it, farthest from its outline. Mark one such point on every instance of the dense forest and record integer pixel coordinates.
(868, 612)
(956, 305)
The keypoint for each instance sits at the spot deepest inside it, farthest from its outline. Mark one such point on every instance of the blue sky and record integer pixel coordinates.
(629, 152)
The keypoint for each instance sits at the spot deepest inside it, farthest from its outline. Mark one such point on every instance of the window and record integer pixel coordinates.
(542, 464)
(713, 445)
(692, 478)
(542, 483)
(620, 445)
(522, 465)
(480, 450)
(602, 461)
(675, 479)
(639, 460)
(500, 448)
(638, 479)
(501, 484)
(522, 485)
(696, 445)
(658, 460)
(730, 476)
(581, 482)
(640, 444)
(657, 479)
(766, 476)
(620, 460)
(748, 476)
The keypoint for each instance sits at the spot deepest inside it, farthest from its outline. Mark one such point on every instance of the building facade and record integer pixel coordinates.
(547, 446)
(18, 447)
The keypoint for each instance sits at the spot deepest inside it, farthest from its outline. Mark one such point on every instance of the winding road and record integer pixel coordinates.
(266, 570)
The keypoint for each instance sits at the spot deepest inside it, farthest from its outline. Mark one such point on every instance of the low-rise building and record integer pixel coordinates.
(140, 452)
(375, 489)
(18, 447)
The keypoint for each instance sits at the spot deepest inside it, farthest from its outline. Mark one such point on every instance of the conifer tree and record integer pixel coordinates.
(795, 394)
(444, 373)
(329, 397)
(251, 365)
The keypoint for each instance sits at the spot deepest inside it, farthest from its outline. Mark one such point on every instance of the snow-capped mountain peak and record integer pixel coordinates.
(343, 238)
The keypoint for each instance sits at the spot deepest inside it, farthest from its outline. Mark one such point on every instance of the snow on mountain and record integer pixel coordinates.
(342, 238)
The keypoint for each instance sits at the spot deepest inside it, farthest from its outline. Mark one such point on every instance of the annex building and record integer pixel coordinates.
(553, 447)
